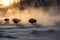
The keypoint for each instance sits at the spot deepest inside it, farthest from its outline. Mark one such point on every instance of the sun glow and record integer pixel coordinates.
(4, 3)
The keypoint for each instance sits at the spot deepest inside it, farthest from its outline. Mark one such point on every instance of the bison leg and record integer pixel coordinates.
(32, 23)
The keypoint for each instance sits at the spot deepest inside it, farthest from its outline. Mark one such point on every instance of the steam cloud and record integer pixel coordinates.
(45, 11)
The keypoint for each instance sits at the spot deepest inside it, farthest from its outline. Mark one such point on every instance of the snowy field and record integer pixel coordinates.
(32, 32)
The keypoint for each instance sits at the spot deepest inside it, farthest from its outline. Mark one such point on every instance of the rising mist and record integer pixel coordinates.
(45, 14)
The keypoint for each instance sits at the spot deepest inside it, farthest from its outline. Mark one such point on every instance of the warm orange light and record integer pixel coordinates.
(4, 3)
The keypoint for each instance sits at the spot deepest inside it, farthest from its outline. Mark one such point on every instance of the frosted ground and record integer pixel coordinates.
(20, 32)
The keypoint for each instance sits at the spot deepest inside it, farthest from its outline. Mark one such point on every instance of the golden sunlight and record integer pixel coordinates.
(4, 3)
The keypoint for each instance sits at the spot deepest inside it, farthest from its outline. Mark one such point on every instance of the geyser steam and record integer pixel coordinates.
(44, 15)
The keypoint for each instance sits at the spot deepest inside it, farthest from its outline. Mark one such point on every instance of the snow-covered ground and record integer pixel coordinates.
(27, 33)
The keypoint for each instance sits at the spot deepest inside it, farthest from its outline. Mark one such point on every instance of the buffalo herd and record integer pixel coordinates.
(15, 20)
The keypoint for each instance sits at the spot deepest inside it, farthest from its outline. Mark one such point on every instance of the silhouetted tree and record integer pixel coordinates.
(25, 3)
(6, 20)
(32, 21)
(15, 20)
(58, 2)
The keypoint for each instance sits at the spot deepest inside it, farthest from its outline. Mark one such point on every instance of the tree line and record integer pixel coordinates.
(39, 3)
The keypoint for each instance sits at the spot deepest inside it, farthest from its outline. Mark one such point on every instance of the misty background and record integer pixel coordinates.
(46, 12)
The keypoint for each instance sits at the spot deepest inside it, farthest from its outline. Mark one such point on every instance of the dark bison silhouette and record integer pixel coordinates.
(15, 20)
(32, 21)
(6, 20)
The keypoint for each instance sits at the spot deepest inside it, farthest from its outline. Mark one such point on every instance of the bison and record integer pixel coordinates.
(32, 21)
(15, 20)
(6, 20)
